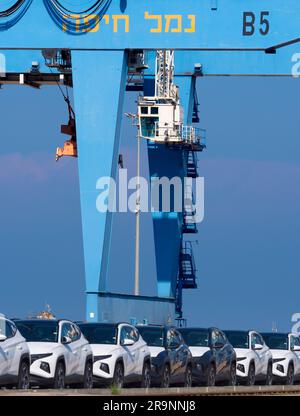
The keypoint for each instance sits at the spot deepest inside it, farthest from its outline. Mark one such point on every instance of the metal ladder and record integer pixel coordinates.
(187, 278)
(191, 164)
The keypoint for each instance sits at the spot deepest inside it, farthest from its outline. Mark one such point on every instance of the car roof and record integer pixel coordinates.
(236, 330)
(99, 323)
(41, 320)
(285, 334)
(165, 327)
(242, 331)
(35, 320)
(198, 328)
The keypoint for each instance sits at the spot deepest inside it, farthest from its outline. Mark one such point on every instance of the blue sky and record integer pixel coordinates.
(248, 245)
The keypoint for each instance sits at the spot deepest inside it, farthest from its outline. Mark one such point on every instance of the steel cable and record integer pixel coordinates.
(97, 4)
(11, 10)
(13, 14)
(59, 14)
(88, 12)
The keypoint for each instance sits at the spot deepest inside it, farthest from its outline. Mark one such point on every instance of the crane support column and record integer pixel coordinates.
(168, 163)
(99, 85)
(165, 163)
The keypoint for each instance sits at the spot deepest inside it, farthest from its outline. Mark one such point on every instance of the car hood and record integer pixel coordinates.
(42, 347)
(280, 353)
(104, 349)
(199, 351)
(154, 351)
(242, 352)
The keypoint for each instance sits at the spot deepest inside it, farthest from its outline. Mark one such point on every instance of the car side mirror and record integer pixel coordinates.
(296, 348)
(258, 347)
(218, 345)
(127, 342)
(66, 340)
(3, 337)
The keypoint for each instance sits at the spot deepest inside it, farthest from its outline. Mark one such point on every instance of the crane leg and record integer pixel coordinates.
(98, 85)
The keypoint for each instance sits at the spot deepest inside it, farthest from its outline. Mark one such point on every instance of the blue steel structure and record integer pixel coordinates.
(210, 37)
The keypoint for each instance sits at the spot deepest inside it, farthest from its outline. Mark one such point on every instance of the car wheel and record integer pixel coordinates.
(251, 375)
(290, 375)
(232, 375)
(146, 377)
(269, 378)
(118, 379)
(211, 376)
(188, 381)
(60, 375)
(24, 376)
(88, 376)
(165, 381)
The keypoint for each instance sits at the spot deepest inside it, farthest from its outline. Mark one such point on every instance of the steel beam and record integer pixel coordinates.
(189, 24)
(214, 63)
(99, 85)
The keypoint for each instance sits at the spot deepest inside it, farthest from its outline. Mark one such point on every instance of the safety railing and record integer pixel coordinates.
(184, 134)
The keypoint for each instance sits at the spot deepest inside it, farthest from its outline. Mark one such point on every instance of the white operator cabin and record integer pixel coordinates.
(160, 121)
(161, 117)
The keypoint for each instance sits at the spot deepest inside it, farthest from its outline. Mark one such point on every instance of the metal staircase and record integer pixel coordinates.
(196, 117)
(189, 225)
(187, 278)
(191, 164)
(187, 268)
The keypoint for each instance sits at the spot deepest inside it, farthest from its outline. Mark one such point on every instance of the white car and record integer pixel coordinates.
(286, 356)
(14, 356)
(60, 354)
(254, 358)
(120, 354)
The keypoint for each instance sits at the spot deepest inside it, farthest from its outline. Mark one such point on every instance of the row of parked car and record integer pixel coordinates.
(56, 353)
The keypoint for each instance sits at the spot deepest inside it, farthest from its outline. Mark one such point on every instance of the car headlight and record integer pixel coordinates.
(198, 364)
(101, 357)
(277, 360)
(104, 367)
(241, 358)
(35, 357)
(241, 368)
(45, 367)
(280, 368)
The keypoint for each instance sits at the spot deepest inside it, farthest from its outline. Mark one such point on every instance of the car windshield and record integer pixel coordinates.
(238, 339)
(276, 341)
(195, 337)
(38, 331)
(154, 337)
(100, 334)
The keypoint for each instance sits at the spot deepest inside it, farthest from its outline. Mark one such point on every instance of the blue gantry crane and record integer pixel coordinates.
(104, 48)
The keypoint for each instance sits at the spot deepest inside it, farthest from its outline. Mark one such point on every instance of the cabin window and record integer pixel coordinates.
(154, 110)
(144, 110)
(148, 126)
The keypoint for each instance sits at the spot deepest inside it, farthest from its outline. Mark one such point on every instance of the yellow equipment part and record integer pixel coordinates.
(69, 149)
